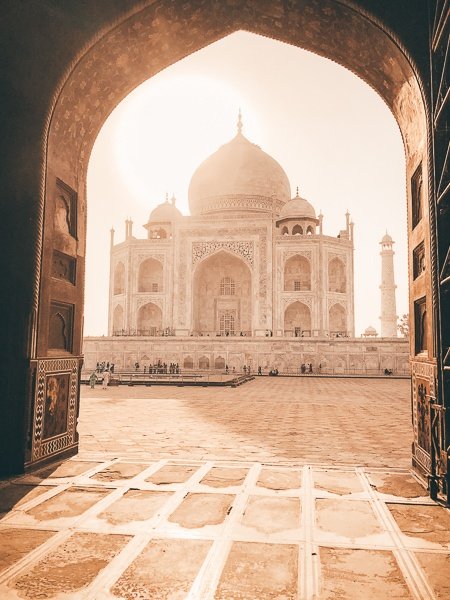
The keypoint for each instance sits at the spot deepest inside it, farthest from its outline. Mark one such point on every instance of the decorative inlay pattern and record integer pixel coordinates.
(290, 253)
(245, 250)
(48, 369)
(142, 300)
(308, 300)
(342, 257)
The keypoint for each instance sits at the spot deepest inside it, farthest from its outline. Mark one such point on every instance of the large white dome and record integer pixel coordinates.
(239, 177)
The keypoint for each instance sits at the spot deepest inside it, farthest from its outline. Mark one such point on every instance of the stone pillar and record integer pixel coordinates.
(387, 287)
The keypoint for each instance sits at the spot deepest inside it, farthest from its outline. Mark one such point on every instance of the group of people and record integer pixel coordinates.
(307, 368)
(104, 366)
(104, 375)
(159, 367)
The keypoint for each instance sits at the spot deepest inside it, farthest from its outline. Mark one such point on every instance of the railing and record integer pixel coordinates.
(151, 332)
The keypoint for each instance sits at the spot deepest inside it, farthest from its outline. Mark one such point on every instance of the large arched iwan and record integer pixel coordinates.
(142, 43)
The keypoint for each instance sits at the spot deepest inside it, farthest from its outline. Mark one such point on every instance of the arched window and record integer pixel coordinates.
(219, 363)
(297, 320)
(150, 277)
(227, 322)
(337, 281)
(227, 286)
(310, 230)
(297, 274)
(203, 362)
(297, 230)
(117, 320)
(337, 320)
(285, 231)
(119, 279)
(149, 319)
(188, 363)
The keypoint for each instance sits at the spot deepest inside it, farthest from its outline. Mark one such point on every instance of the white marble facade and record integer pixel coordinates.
(249, 260)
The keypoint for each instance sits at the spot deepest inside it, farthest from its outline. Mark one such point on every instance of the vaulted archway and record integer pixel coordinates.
(221, 291)
(111, 54)
(297, 320)
(150, 276)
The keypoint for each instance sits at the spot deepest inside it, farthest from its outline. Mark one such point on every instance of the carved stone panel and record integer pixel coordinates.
(65, 216)
(60, 331)
(54, 414)
(243, 249)
(64, 267)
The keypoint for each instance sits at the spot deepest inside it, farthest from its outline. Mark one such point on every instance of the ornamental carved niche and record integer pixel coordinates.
(291, 253)
(244, 250)
(138, 258)
(146, 299)
(308, 300)
(332, 301)
(342, 257)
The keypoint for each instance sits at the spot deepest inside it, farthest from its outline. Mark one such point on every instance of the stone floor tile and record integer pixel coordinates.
(68, 568)
(134, 505)
(351, 519)
(427, 523)
(17, 543)
(437, 570)
(164, 570)
(198, 510)
(259, 571)
(360, 575)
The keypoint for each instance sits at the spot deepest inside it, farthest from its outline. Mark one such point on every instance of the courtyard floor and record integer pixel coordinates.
(280, 489)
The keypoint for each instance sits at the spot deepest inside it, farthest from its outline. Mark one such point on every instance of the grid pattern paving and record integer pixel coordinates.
(95, 528)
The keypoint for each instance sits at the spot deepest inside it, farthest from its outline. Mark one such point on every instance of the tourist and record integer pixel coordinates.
(259, 371)
(105, 380)
(93, 380)
(310, 368)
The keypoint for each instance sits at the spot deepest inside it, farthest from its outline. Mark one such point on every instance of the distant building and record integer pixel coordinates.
(388, 304)
(249, 259)
(249, 278)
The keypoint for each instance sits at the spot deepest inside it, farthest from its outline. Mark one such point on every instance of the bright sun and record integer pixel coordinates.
(148, 144)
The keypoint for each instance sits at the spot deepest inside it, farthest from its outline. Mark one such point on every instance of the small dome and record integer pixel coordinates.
(370, 331)
(238, 176)
(386, 239)
(298, 208)
(164, 212)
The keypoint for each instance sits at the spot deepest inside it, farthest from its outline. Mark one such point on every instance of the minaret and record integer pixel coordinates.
(387, 287)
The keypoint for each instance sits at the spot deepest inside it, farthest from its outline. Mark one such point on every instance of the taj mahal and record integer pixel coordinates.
(249, 278)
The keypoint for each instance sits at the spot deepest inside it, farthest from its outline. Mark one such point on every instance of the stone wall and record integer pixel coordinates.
(346, 355)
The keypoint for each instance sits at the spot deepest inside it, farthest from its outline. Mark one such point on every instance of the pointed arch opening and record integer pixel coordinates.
(222, 303)
(149, 319)
(337, 279)
(150, 278)
(338, 321)
(297, 320)
(297, 274)
(119, 279)
(118, 321)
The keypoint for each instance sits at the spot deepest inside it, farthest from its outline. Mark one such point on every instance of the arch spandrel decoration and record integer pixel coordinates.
(299, 297)
(243, 249)
(142, 300)
(290, 253)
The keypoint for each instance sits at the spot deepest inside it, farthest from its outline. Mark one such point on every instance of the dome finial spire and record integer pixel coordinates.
(239, 122)
(296, 193)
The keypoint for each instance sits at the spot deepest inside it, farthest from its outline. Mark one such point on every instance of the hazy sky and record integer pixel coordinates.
(332, 134)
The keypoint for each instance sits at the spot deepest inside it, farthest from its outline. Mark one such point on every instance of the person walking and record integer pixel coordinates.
(93, 380)
(106, 378)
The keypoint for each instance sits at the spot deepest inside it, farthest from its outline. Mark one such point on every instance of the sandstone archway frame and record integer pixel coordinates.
(151, 37)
